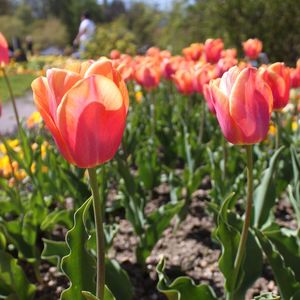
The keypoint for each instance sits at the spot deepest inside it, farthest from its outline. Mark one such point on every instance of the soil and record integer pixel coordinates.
(189, 250)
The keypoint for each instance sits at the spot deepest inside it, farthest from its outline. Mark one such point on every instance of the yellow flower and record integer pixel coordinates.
(138, 96)
(34, 119)
(12, 143)
(44, 147)
(294, 126)
(272, 130)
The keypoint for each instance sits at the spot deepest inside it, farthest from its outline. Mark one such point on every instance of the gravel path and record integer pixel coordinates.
(25, 107)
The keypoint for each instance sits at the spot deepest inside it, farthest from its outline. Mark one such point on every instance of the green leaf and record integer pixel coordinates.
(107, 295)
(285, 277)
(287, 242)
(54, 251)
(118, 281)
(13, 281)
(79, 265)
(265, 193)
(57, 217)
(182, 288)
(229, 238)
(267, 296)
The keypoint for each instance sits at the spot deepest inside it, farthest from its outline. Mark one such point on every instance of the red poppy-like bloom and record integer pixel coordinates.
(4, 56)
(213, 50)
(252, 48)
(85, 108)
(277, 76)
(243, 104)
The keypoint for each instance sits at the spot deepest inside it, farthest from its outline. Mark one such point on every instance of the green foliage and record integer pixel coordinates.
(265, 193)
(182, 287)
(111, 36)
(285, 277)
(14, 284)
(78, 265)
(20, 84)
(47, 33)
(11, 27)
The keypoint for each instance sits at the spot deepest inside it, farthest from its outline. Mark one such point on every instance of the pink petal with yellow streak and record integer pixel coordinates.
(42, 97)
(105, 68)
(91, 118)
(60, 81)
(249, 108)
(227, 124)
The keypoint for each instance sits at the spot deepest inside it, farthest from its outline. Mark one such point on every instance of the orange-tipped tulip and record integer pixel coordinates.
(213, 50)
(193, 52)
(85, 108)
(202, 76)
(147, 75)
(243, 104)
(252, 48)
(278, 78)
(183, 80)
(4, 56)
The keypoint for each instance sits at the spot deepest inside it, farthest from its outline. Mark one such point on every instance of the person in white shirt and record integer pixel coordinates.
(85, 33)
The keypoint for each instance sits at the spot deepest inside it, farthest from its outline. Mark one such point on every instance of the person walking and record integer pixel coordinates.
(86, 31)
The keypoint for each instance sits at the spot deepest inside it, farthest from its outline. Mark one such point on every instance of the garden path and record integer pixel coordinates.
(25, 107)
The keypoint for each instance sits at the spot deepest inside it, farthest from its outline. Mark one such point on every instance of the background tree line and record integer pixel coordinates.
(137, 26)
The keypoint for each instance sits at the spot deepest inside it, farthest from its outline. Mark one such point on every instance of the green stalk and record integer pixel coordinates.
(202, 121)
(100, 244)
(278, 130)
(12, 97)
(225, 156)
(243, 240)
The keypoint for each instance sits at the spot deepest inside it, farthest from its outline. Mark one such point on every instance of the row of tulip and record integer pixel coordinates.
(85, 106)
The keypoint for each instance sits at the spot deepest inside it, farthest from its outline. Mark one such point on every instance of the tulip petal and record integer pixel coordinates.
(42, 96)
(91, 118)
(60, 81)
(221, 105)
(248, 107)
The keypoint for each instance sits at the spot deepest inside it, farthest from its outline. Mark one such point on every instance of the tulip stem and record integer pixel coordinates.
(243, 239)
(278, 130)
(100, 243)
(13, 100)
(202, 121)
(225, 156)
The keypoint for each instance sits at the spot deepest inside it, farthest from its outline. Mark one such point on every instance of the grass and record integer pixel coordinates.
(20, 84)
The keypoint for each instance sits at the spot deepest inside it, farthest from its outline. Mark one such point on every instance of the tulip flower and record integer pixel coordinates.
(202, 76)
(183, 80)
(243, 103)
(193, 52)
(213, 50)
(278, 78)
(295, 77)
(209, 98)
(147, 75)
(85, 109)
(4, 56)
(114, 54)
(169, 66)
(252, 48)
